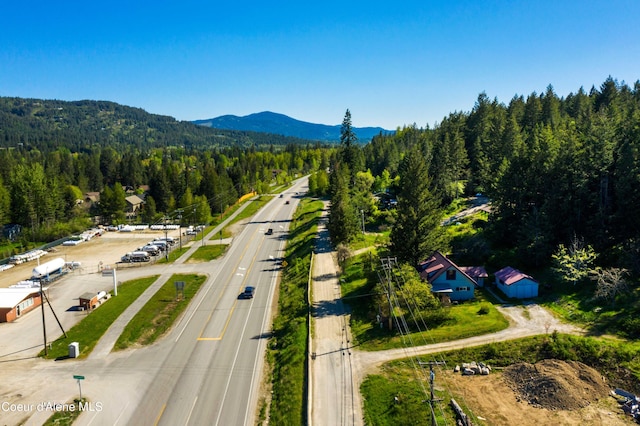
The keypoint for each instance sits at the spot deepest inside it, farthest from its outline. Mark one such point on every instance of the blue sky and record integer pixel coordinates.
(390, 63)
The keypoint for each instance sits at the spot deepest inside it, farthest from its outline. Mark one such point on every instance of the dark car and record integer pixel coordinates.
(247, 293)
(269, 231)
(286, 202)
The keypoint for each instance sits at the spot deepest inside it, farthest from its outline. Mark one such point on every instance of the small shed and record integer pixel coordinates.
(88, 301)
(516, 284)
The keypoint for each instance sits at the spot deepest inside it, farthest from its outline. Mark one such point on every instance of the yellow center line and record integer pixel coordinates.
(164, 406)
(244, 279)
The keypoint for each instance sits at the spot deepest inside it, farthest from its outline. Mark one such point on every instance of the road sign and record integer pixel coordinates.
(78, 377)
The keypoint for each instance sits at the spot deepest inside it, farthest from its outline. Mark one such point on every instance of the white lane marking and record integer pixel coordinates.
(191, 411)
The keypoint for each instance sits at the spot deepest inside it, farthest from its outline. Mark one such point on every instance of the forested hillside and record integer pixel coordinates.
(51, 124)
(52, 153)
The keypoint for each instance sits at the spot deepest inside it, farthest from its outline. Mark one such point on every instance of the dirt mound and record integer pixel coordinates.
(556, 385)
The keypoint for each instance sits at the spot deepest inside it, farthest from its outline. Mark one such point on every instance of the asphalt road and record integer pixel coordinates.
(206, 370)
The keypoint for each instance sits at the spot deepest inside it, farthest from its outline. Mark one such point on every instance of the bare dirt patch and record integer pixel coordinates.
(549, 392)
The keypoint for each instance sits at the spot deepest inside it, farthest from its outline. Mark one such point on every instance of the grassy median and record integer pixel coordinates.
(159, 313)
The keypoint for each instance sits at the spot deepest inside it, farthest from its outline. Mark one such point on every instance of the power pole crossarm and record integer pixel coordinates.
(432, 376)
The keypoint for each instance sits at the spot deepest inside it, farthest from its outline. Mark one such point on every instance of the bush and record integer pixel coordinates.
(484, 309)
(630, 327)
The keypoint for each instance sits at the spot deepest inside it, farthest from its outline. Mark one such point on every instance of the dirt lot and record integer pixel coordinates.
(526, 394)
(93, 254)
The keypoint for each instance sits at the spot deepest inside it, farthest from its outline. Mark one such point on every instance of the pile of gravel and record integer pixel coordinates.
(556, 385)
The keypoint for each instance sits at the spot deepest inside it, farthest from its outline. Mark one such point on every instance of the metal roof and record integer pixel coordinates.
(11, 297)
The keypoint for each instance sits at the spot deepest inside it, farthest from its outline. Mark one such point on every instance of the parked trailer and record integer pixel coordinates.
(49, 267)
(172, 241)
(136, 256)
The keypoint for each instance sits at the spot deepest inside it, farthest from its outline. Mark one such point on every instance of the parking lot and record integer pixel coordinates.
(93, 255)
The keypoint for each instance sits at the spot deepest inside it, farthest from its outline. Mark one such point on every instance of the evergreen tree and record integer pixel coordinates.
(351, 154)
(113, 203)
(417, 231)
(5, 203)
(343, 218)
(149, 212)
(160, 191)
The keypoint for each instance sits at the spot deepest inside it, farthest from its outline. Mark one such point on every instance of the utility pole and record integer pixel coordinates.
(166, 250)
(387, 266)
(44, 326)
(180, 227)
(432, 376)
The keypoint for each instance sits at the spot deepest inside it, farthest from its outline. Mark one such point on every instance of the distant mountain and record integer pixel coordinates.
(280, 124)
(48, 124)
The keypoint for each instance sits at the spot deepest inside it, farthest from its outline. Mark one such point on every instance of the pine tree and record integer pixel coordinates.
(350, 154)
(417, 231)
(343, 218)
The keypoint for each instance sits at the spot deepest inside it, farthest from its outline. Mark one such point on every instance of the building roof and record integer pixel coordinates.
(92, 196)
(134, 200)
(510, 275)
(11, 297)
(475, 271)
(435, 266)
(87, 296)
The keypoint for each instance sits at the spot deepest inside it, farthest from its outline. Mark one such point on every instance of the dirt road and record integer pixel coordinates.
(334, 397)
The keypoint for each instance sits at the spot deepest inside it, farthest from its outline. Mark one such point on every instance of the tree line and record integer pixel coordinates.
(43, 180)
(554, 169)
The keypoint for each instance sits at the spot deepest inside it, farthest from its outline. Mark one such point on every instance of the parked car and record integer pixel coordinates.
(153, 250)
(247, 293)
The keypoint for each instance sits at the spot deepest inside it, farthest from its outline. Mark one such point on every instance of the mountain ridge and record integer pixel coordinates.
(46, 124)
(276, 123)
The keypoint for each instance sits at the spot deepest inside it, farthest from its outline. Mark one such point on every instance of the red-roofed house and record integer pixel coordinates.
(516, 284)
(448, 280)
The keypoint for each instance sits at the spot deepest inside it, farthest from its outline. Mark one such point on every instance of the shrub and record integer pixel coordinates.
(484, 309)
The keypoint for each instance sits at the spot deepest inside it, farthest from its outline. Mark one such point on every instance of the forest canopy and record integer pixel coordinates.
(555, 168)
(53, 153)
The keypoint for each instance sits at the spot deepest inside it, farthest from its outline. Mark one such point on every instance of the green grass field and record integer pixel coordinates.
(207, 253)
(88, 331)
